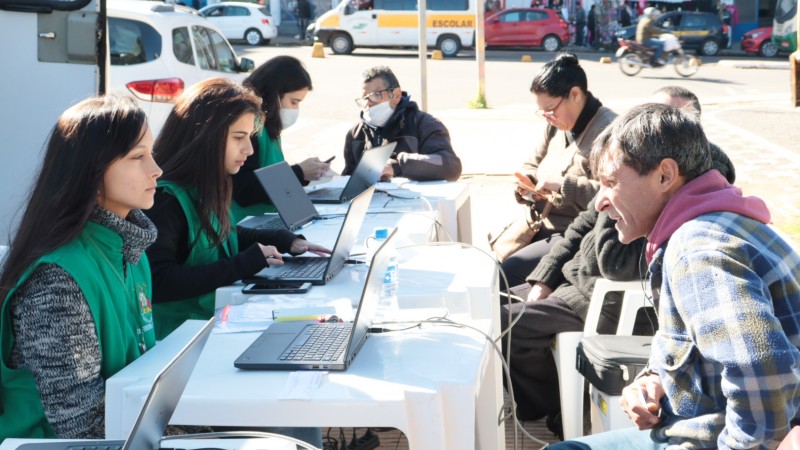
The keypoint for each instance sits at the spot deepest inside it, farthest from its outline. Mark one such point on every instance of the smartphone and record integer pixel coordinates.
(328, 161)
(286, 288)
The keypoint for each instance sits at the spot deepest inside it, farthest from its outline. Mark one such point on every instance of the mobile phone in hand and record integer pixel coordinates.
(328, 161)
(286, 288)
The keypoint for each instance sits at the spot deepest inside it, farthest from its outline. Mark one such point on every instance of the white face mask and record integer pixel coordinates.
(289, 117)
(378, 115)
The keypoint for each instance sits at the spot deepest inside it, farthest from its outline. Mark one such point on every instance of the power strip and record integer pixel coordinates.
(368, 441)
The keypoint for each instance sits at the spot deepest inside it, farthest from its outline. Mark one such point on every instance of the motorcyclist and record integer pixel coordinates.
(647, 33)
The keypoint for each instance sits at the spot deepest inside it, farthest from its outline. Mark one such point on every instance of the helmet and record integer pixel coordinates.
(651, 12)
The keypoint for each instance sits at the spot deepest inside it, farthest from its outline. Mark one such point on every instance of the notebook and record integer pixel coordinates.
(149, 427)
(319, 270)
(320, 346)
(294, 207)
(367, 173)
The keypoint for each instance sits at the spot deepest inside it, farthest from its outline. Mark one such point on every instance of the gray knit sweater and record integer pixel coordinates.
(55, 337)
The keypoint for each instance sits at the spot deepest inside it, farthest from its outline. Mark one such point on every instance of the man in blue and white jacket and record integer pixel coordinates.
(724, 370)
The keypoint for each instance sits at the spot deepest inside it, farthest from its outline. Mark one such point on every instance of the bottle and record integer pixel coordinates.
(387, 303)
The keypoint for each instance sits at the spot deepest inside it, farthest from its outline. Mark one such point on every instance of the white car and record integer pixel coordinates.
(157, 50)
(240, 20)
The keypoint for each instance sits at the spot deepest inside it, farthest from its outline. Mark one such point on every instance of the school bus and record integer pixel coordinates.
(395, 23)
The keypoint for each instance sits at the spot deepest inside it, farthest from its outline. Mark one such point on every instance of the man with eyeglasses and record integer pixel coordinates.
(560, 287)
(423, 150)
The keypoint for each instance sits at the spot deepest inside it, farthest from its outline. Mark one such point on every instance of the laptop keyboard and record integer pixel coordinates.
(326, 194)
(274, 223)
(110, 446)
(305, 268)
(324, 343)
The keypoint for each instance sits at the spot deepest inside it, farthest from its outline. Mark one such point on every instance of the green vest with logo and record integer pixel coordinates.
(120, 305)
(269, 153)
(170, 315)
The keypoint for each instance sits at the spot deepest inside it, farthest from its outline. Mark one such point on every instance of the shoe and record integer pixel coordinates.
(297, 36)
(660, 62)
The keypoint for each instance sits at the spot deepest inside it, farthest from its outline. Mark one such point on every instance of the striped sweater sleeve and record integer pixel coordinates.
(55, 339)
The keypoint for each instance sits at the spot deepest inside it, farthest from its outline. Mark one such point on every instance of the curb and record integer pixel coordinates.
(755, 64)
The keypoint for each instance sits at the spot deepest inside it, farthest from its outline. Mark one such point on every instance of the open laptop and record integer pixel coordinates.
(367, 173)
(319, 270)
(294, 207)
(158, 407)
(320, 346)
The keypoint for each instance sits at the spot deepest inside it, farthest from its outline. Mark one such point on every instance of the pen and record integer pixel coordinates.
(328, 161)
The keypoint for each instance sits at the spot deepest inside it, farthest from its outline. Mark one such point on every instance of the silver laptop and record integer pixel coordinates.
(319, 270)
(286, 193)
(158, 407)
(367, 173)
(320, 346)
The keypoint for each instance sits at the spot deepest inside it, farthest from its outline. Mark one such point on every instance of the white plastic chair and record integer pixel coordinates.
(565, 345)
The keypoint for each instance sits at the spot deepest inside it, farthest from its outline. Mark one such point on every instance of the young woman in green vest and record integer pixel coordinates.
(282, 83)
(205, 140)
(76, 284)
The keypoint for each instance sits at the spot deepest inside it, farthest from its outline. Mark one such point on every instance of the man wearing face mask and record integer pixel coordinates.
(423, 151)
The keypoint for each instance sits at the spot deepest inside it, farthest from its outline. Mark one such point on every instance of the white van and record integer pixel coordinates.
(49, 64)
(395, 23)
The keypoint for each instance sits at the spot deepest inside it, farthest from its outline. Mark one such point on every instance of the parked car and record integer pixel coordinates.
(156, 51)
(760, 41)
(701, 31)
(240, 20)
(527, 27)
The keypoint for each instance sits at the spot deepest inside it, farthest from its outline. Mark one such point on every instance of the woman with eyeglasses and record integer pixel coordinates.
(282, 83)
(75, 286)
(558, 171)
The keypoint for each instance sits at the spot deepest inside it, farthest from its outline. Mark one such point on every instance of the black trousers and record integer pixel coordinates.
(518, 266)
(534, 377)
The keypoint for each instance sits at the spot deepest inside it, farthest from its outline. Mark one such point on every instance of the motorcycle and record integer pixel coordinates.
(633, 57)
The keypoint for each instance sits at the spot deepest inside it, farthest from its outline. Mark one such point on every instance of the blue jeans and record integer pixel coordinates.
(624, 439)
(657, 45)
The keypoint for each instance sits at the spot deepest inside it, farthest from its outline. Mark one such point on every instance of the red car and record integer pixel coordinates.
(527, 27)
(759, 41)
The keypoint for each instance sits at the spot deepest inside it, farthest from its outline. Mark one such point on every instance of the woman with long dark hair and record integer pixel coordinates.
(282, 83)
(558, 170)
(205, 140)
(76, 284)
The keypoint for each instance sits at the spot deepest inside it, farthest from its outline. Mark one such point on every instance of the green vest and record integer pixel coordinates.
(269, 153)
(170, 315)
(121, 309)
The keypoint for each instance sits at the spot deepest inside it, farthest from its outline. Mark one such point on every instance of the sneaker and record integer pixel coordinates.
(297, 36)
(660, 62)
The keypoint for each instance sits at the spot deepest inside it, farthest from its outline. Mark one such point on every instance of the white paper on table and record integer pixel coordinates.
(256, 315)
(301, 385)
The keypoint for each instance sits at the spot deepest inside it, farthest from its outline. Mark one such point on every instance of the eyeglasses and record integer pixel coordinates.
(373, 97)
(552, 111)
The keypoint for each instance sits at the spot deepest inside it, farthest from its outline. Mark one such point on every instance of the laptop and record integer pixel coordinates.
(294, 207)
(367, 173)
(319, 346)
(319, 270)
(161, 402)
